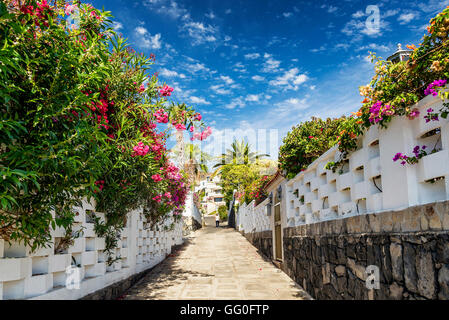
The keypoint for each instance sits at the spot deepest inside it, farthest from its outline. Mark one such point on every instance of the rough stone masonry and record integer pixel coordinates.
(410, 247)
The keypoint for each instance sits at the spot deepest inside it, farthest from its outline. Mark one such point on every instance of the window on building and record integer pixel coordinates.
(218, 200)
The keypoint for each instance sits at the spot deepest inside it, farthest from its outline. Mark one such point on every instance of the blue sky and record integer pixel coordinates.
(267, 64)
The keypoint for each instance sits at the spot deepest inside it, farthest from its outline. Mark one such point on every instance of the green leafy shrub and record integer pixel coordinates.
(80, 117)
(223, 213)
(306, 142)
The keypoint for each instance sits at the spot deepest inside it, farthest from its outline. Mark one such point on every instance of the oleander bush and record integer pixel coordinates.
(81, 116)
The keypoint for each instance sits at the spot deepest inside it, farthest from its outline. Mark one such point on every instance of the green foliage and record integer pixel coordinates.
(223, 213)
(398, 86)
(236, 177)
(239, 153)
(48, 154)
(255, 191)
(306, 142)
(77, 121)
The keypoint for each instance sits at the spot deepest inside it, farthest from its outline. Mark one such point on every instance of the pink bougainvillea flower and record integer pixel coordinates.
(430, 90)
(414, 114)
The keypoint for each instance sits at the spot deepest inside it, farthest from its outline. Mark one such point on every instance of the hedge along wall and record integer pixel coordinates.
(42, 274)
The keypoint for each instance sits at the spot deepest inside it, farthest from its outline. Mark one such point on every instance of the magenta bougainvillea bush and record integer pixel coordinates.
(396, 87)
(392, 92)
(81, 115)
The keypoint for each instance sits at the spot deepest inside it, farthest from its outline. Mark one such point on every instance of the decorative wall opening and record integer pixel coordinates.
(359, 175)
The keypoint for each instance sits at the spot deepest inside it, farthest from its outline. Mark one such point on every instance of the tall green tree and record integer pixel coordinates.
(239, 153)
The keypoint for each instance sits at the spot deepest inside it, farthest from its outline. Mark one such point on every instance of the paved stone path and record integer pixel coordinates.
(216, 264)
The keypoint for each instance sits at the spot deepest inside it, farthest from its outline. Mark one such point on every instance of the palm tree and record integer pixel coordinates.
(195, 160)
(239, 153)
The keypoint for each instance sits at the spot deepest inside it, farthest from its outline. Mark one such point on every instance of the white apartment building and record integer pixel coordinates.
(213, 194)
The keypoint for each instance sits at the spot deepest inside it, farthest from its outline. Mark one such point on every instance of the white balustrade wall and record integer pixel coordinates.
(42, 274)
(253, 219)
(371, 182)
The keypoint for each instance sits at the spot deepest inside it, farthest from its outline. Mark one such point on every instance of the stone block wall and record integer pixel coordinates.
(263, 241)
(410, 247)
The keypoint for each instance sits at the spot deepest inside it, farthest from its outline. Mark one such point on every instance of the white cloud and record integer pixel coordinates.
(228, 11)
(173, 10)
(287, 14)
(270, 65)
(227, 79)
(146, 40)
(198, 100)
(196, 67)
(252, 98)
(358, 14)
(320, 49)
(390, 13)
(374, 46)
(199, 32)
(210, 15)
(252, 56)
(406, 18)
(117, 26)
(171, 74)
(289, 107)
(236, 102)
(291, 79)
(330, 8)
(219, 89)
(258, 78)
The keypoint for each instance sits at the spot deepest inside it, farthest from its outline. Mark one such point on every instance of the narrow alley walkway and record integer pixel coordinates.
(216, 264)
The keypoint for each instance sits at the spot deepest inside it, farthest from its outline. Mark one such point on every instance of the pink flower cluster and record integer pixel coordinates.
(140, 150)
(70, 8)
(198, 117)
(202, 135)
(161, 116)
(431, 116)
(41, 13)
(166, 91)
(99, 184)
(159, 197)
(179, 126)
(378, 111)
(431, 87)
(156, 177)
(414, 114)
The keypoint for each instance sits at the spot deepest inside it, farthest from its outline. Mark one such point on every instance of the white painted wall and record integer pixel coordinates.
(329, 196)
(191, 210)
(41, 274)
